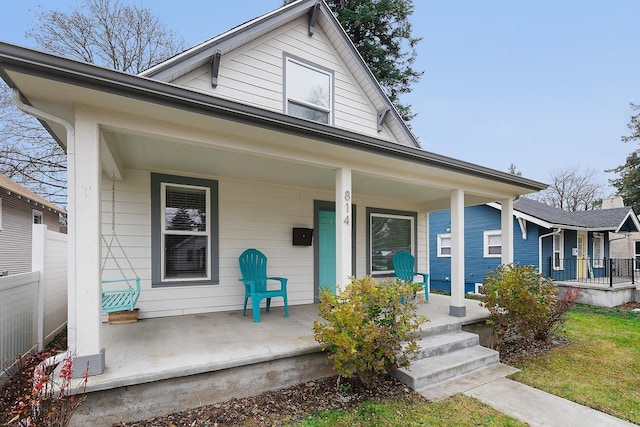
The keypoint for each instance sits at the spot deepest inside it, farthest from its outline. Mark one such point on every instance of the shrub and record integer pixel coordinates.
(50, 402)
(370, 328)
(523, 302)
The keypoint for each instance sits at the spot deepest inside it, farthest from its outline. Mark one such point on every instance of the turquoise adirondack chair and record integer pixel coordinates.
(253, 266)
(404, 266)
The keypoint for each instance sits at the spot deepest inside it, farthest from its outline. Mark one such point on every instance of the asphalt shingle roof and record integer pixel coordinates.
(605, 219)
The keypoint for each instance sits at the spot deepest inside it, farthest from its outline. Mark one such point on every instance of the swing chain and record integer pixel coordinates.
(113, 203)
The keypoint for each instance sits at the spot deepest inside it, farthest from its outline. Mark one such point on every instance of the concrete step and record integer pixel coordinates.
(466, 382)
(436, 369)
(447, 342)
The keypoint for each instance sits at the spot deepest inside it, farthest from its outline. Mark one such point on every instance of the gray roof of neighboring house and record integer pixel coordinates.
(616, 219)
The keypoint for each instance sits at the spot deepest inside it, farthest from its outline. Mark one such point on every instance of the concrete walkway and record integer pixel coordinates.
(538, 408)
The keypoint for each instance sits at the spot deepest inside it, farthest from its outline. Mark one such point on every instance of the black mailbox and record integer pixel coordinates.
(302, 236)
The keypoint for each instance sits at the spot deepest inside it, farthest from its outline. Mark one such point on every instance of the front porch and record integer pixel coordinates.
(168, 364)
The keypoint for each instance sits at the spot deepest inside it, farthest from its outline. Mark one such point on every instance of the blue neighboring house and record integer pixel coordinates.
(566, 246)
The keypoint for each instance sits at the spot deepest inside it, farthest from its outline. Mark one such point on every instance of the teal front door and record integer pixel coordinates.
(327, 251)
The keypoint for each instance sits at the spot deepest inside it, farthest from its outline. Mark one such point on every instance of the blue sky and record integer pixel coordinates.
(543, 84)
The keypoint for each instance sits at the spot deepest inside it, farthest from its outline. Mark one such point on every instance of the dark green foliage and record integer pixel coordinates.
(628, 182)
(381, 31)
(370, 328)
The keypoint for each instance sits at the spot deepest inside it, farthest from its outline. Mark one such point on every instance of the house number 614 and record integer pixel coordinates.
(347, 198)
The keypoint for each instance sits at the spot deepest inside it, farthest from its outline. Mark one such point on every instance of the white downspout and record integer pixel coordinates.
(558, 231)
(71, 184)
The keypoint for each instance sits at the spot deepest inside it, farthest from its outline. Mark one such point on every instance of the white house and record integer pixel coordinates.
(274, 125)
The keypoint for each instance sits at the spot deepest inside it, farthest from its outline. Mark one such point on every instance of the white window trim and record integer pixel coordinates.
(384, 215)
(440, 238)
(0, 214)
(287, 99)
(36, 213)
(559, 250)
(487, 235)
(164, 231)
(598, 239)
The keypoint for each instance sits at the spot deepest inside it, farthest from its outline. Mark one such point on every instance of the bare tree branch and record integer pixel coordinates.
(103, 32)
(572, 190)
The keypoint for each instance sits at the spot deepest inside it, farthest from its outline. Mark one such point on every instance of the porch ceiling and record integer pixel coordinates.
(155, 153)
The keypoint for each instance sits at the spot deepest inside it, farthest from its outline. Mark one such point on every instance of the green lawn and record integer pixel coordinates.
(456, 411)
(601, 367)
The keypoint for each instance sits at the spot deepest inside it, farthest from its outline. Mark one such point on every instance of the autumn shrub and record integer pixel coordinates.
(369, 328)
(523, 302)
(50, 400)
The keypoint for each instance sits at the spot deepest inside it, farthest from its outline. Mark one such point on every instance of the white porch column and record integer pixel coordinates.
(458, 307)
(84, 253)
(344, 223)
(507, 230)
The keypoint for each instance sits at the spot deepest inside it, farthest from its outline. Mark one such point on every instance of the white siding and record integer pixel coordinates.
(15, 235)
(251, 215)
(253, 74)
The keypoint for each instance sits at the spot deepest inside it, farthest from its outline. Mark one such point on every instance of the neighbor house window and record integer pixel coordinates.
(0, 214)
(389, 232)
(37, 217)
(493, 244)
(636, 254)
(184, 222)
(308, 91)
(558, 250)
(598, 251)
(444, 245)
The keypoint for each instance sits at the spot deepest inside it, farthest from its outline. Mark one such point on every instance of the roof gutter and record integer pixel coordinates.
(71, 210)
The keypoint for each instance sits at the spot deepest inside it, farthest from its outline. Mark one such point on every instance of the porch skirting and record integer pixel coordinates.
(602, 295)
(143, 401)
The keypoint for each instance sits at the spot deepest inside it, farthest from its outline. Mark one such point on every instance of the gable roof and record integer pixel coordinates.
(320, 15)
(15, 188)
(616, 220)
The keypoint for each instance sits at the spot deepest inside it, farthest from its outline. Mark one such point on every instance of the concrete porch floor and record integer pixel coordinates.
(164, 348)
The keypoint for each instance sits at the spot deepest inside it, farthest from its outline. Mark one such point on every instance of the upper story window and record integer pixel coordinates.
(308, 91)
(492, 244)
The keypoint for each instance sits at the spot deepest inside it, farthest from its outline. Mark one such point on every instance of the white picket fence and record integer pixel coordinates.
(33, 306)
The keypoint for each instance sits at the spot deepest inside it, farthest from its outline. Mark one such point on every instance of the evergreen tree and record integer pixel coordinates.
(628, 182)
(381, 31)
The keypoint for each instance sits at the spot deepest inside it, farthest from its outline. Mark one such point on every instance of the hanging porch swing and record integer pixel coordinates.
(125, 298)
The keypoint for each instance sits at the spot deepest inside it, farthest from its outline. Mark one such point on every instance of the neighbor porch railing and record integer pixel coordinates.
(604, 271)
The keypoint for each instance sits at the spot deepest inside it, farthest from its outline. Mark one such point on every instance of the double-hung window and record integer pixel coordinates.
(493, 244)
(558, 250)
(308, 91)
(184, 238)
(444, 245)
(598, 251)
(389, 232)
